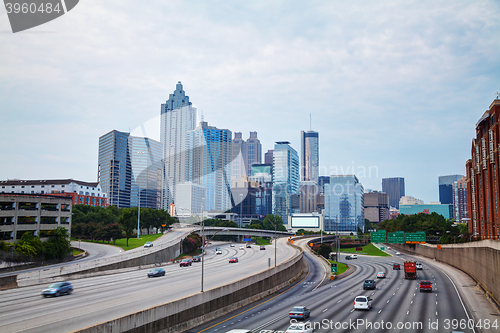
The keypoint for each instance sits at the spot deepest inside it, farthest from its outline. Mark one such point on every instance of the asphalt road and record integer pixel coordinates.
(103, 298)
(398, 305)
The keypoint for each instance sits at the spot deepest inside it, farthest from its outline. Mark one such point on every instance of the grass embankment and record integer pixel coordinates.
(132, 242)
(341, 268)
(76, 251)
(261, 241)
(368, 249)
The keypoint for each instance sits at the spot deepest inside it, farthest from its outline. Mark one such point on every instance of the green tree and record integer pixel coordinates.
(128, 221)
(324, 250)
(271, 221)
(58, 245)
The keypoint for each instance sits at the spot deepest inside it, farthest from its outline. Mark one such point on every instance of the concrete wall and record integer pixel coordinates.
(188, 312)
(481, 260)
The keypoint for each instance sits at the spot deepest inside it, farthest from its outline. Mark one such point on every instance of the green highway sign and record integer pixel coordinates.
(415, 237)
(378, 237)
(333, 266)
(382, 248)
(397, 237)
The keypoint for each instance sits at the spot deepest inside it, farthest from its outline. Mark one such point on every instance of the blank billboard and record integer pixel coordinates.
(305, 221)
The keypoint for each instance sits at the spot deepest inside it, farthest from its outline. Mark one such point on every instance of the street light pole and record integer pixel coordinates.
(139, 213)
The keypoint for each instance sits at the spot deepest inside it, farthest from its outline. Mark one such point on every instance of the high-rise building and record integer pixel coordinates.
(395, 189)
(129, 168)
(376, 206)
(114, 172)
(146, 161)
(409, 200)
(285, 180)
(253, 152)
(209, 152)
(309, 191)
(268, 157)
(238, 167)
(178, 116)
(460, 200)
(309, 156)
(434, 207)
(483, 172)
(446, 188)
(344, 204)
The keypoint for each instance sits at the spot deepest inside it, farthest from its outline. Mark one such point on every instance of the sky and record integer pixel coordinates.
(394, 88)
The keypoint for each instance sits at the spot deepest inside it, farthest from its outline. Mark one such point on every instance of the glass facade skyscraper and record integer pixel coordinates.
(309, 156)
(395, 189)
(285, 180)
(446, 188)
(208, 159)
(344, 204)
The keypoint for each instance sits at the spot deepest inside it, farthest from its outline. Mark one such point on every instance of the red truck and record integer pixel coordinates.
(410, 270)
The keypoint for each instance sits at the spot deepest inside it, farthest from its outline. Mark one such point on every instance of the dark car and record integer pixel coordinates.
(58, 289)
(396, 266)
(185, 262)
(249, 246)
(348, 257)
(262, 247)
(369, 284)
(196, 259)
(300, 312)
(156, 272)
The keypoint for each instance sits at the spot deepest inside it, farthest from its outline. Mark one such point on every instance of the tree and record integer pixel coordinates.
(128, 221)
(58, 245)
(271, 221)
(324, 250)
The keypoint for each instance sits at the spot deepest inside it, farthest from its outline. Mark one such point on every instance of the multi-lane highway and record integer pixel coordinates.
(104, 298)
(398, 306)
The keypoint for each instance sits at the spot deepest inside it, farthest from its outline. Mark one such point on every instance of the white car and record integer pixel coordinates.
(381, 275)
(242, 247)
(398, 253)
(218, 251)
(148, 244)
(232, 245)
(418, 265)
(354, 256)
(362, 303)
(299, 328)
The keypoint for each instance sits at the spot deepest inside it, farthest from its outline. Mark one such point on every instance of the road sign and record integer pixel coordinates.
(378, 237)
(397, 237)
(382, 248)
(359, 249)
(333, 267)
(415, 237)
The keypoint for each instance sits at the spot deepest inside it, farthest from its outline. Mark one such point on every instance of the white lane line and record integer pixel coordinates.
(407, 312)
(388, 300)
(436, 313)
(411, 302)
(325, 310)
(339, 301)
(380, 311)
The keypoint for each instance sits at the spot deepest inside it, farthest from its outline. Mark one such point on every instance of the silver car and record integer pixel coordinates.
(300, 312)
(362, 303)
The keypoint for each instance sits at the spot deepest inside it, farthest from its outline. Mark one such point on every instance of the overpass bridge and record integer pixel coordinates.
(241, 232)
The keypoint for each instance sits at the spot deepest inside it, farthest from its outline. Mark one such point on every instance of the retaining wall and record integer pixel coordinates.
(481, 260)
(189, 312)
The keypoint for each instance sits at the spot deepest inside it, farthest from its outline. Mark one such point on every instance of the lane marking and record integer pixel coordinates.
(325, 310)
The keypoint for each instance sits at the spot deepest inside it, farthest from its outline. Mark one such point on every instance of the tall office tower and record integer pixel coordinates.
(285, 180)
(253, 152)
(309, 156)
(268, 157)
(344, 204)
(209, 164)
(146, 160)
(308, 199)
(322, 180)
(460, 200)
(395, 189)
(114, 171)
(178, 116)
(129, 165)
(238, 167)
(376, 206)
(483, 172)
(446, 188)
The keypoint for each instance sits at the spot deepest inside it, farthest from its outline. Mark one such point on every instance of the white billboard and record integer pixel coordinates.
(303, 222)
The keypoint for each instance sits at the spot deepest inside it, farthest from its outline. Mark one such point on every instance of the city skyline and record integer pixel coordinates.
(381, 92)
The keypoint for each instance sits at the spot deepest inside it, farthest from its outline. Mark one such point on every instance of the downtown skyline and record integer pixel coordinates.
(396, 96)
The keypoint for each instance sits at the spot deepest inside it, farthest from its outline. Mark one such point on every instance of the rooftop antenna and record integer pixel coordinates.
(497, 95)
(310, 122)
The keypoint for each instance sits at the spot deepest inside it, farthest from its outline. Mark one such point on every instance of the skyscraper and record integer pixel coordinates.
(395, 189)
(238, 167)
(285, 179)
(268, 157)
(376, 206)
(344, 204)
(209, 153)
(129, 165)
(178, 116)
(446, 188)
(460, 200)
(309, 156)
(253, 152)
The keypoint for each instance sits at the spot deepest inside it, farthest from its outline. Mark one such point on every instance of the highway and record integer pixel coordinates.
(398, 305)
(104, 298)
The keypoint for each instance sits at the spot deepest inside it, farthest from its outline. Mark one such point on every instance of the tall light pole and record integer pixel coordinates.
(275, 242)
(241, 208)
(139, 213)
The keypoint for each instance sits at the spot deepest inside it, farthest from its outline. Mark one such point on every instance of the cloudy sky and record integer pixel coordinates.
(394, 87)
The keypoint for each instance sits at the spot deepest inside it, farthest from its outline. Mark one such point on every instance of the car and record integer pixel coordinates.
(396, 266)
(262, 247)
(242, 247)
(232, 245)
(156, 272)
(185, 263)
(362, 303)
(398, 253)
(196, 259)
(354, 256)
(248, 246)
(300, 328)
(148, 244)
(348, 257)
(380, 275)
(300, 312)
(57, 289)
(369, 284)
(418, 265)
(218, 251)
(425, 285)
(233, 259)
